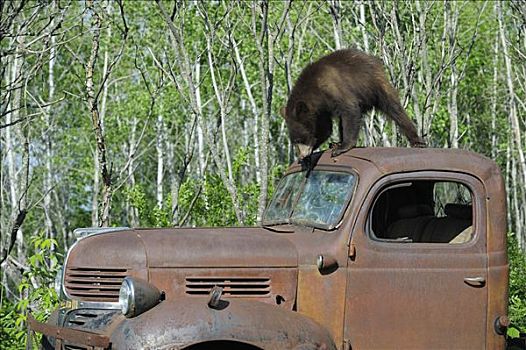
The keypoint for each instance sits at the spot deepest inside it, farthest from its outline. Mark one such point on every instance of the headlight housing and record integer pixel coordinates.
(137, 296)
(58, 284)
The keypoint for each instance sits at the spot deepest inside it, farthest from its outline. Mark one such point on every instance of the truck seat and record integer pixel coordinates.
(411, 223)
(445, 229)
(417, 223)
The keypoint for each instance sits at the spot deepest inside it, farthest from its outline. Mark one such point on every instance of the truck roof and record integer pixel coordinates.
(373, 163)
(397, 159)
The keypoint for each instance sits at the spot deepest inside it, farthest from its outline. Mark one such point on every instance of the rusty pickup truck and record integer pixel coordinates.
(378, 248)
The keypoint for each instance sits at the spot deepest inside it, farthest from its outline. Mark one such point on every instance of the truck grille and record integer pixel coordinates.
(94, 283)
(241, 287)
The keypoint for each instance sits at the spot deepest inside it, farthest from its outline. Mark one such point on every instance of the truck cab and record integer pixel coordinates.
(376, 248)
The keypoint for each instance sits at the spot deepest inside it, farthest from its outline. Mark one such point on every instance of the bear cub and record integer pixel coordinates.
(343, 86)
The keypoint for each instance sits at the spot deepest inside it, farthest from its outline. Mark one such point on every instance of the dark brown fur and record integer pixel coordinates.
(343, 85)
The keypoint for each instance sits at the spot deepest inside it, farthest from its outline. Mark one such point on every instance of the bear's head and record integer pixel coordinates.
(302, 125)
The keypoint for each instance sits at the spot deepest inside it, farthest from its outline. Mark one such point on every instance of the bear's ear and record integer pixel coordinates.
(283, 112)
(301, 107)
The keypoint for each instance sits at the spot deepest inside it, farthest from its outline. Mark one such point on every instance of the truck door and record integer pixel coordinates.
(418, 271)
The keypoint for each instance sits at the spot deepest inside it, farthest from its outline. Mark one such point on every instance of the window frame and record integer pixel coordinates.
(473, 184)
(348, 200)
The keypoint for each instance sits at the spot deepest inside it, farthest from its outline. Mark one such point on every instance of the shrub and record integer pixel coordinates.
(517, 291)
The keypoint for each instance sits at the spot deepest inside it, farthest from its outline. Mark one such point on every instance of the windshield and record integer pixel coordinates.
(317, 200)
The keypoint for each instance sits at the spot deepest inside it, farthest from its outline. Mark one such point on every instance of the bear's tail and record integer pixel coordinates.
(389, 104)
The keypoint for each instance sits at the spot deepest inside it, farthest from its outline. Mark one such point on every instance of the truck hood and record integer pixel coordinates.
(217, 247)
(185, 247)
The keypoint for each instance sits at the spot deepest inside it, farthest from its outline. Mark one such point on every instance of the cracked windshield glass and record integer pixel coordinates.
(317, 200)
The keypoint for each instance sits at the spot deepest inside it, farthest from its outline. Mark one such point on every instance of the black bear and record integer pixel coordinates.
(343, 85)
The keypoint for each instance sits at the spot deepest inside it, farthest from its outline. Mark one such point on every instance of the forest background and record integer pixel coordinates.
(144, 113)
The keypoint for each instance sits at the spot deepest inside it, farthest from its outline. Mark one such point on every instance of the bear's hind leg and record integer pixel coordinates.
(350, 119)
(390, 105)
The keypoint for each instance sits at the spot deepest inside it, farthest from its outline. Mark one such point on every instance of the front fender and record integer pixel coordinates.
(186, 321)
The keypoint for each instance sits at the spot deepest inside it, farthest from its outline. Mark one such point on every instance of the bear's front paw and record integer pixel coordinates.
(419, 144)
(337, 150)
(334, 145)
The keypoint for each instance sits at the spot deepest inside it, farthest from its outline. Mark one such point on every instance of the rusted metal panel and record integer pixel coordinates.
(322, 297)
(414, 294)
(69, 335)
(94, 284)
(388, 160)
(115, 249)
(184, 321)
(498, 273)
(282, 283)
(217, 247)
(396, 160)
(387, 295)
(96, 265)
(498, 276)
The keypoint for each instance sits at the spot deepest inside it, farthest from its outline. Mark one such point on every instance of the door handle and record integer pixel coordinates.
(475, 281)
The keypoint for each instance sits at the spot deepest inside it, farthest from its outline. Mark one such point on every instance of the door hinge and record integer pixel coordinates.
(352, 251)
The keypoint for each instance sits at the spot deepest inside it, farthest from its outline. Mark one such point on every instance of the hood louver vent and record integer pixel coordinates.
(94, 283)
(240, 287)
(80, 318)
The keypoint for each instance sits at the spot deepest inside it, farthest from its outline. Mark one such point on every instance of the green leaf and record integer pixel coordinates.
(513, 332)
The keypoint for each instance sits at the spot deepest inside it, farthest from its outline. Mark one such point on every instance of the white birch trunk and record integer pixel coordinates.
(264, 45)
(186, 72)
(95, 191)
(11, 142)
(222, 109)
(48, 177)
(450, 23)
(265, 40)
(493, 107)
(200, 137)
(97, 124)
(425, 73)
(335, 6)
(453, 108)
(253, 108)
(514, 120)
(365, 36)
(507, 180)
(159, 147)
(133, 212)
(10, 154)
(515, 206)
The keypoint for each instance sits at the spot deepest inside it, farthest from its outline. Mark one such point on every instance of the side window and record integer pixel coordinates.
(423, 211)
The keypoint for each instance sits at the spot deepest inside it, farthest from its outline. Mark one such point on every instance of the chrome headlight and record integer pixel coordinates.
(137, 296)
(126, 297)
(58, 283)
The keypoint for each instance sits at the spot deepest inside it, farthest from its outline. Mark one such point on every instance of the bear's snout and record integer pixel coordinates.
(303, 150)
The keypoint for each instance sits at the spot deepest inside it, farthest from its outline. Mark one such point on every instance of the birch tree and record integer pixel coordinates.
(518, 168)
(266, 35)
(188, 85)
(183, 101)
(93, 95)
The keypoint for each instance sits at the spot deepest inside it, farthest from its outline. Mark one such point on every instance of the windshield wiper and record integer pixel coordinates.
(404, 239)
(273, 226)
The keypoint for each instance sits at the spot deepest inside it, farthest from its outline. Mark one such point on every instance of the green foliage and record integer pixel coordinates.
(148, 82)
(36, 292)
(208, 200)
(137, 197)
(161, 216)
(150, 214)
(517, 291)
(210, 203)
(11, 333)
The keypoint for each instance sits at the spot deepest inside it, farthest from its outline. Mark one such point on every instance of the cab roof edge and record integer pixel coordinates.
(82, 232)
